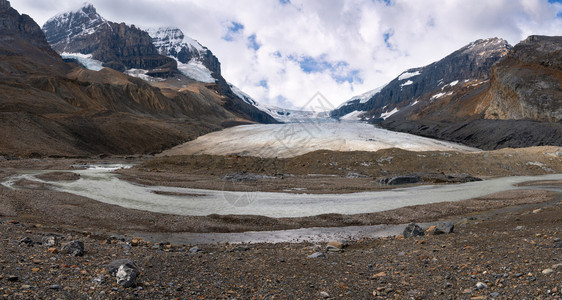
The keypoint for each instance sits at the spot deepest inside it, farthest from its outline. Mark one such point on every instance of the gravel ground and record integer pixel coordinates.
(505, 246)
(510, 254)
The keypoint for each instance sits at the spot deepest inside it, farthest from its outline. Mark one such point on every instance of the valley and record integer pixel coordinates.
(131, 167)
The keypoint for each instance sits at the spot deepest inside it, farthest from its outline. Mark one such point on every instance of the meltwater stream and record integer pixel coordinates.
(99, 183)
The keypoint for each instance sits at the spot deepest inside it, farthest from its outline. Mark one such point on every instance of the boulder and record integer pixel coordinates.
(125, 271)
(49, 241)
(444, 228)
(74, 248)
(413, 230)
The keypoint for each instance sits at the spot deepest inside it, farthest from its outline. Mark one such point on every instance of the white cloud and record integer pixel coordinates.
(335, 31)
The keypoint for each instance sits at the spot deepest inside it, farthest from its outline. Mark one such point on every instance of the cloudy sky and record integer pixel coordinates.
(282, 52)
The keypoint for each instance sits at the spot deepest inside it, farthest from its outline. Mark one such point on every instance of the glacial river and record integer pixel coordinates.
(99, 183)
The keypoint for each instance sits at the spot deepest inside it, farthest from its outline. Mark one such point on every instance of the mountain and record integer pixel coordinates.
(86, 37)
(518, 105)
(49, 107)
(199, 63)
(118, 46)
(194, 60)
(470, 64)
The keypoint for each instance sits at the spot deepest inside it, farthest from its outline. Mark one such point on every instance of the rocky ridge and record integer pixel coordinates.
(52, 108)
(471, 63)
(118, 46)
(168, 54)
(518, 106)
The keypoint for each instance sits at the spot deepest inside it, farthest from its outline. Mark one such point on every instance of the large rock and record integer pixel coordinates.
(125, 271)
(444, 228)
(399, 180)
(413, 230)
(74, 248)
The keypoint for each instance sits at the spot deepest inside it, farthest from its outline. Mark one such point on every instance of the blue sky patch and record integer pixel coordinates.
(263, 83)
(232, 30)
(554, 1)
(339, 70)
(253, 43)
(285, 2)
(387, 35)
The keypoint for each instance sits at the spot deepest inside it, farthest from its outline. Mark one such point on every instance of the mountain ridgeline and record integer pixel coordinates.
(49, 107)
(160, 53)
(487, 94)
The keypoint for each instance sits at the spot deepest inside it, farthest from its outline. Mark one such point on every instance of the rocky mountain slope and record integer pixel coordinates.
(199, 63)
(85, 36)
(118, 46)
(491, 96)
(518, 106)
(471, 63)
(50, 107)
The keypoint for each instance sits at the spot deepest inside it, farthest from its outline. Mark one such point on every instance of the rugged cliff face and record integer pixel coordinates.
(119, 46)
(527, 84)
(167, 54)
(471, 63)
(520, 105)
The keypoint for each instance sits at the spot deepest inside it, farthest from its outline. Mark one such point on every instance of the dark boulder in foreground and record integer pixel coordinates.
(74, 248)
(444, 228)
(125, 271)
(413, 230)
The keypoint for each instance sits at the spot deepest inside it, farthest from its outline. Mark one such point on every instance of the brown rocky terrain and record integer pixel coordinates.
(519, 106)
(341, 172)
(55, 247)
(52, 108)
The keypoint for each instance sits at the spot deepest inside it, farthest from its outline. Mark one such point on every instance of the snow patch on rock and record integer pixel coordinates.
(85, 60)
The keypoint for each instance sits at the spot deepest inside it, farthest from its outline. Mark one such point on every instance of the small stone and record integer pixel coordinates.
(324, 294)
(35, 270)
(381, 274)
(126, 246)
(518, 228)
(557, 266)
(494, 295)
(49, 241)
(26, 286)
(536, 211)
(242, 248)
(317, 255)
(334, 246)
(547, 271)
(55, 287)
(481, 285)
(53, 250)
(431, 229)
(27, 241)
(74, 248)
(13, 278)
(194, 249)
(413, 230)
(134, 242)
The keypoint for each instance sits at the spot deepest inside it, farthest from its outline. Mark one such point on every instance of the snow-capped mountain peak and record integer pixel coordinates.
(172, 39)
(62, 27)
(194, 60)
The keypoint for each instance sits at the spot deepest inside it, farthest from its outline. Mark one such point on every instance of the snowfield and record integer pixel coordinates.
(288, 140)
